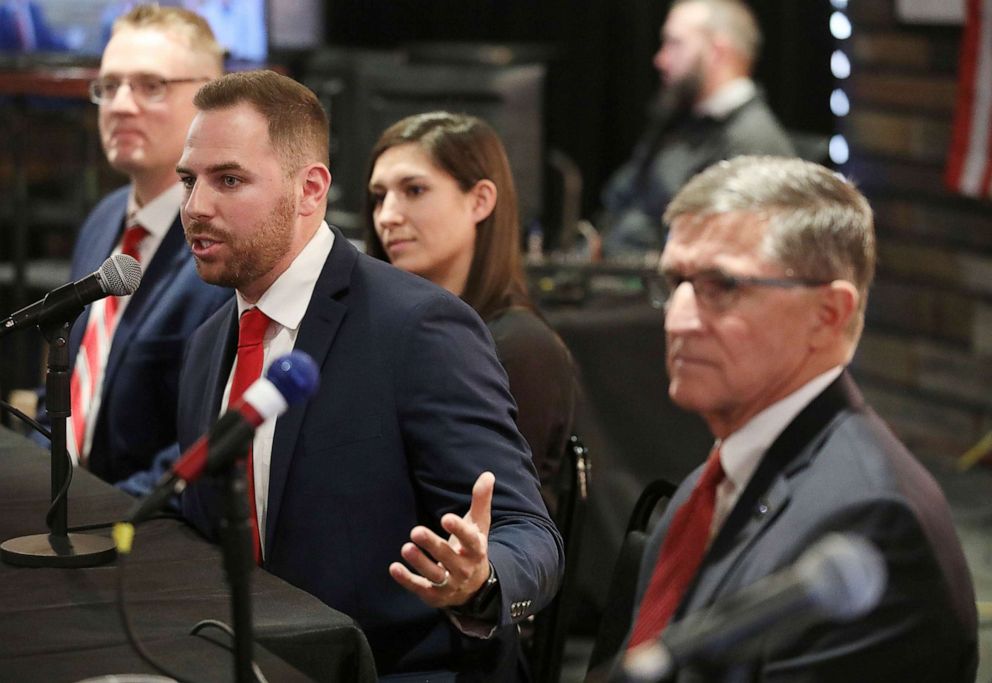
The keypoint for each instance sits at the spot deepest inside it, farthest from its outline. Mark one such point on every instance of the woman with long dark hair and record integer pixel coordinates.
(441, 203)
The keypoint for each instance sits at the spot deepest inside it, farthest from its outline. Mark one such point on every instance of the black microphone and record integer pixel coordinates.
(119, 275)
(289, 379)
(840, 578)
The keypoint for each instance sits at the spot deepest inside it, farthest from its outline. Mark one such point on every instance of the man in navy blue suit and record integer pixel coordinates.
(409, 449)
(125, 384)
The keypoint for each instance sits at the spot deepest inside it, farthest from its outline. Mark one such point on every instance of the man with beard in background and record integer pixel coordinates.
(709, 109)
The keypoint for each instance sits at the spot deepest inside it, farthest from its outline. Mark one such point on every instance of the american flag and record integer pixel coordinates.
(969, 163)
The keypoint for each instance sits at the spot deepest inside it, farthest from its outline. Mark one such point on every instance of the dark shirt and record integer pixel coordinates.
(542, 382)
(637, 194)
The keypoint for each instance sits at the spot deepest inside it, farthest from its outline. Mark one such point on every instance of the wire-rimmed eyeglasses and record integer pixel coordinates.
(719, 291)
(144, 87)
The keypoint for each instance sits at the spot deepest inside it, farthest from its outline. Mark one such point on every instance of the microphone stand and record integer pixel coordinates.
(58, 548)
(236, 543)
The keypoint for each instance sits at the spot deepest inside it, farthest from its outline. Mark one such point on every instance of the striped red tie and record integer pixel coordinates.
(87, 375)
(680, 556)
(247, 369)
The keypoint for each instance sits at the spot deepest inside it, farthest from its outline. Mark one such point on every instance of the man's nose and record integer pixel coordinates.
(682, 309)
(123, 100)
(197, 205)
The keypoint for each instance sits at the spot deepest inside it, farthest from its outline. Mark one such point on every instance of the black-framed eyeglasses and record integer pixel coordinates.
(719, 291)
(144, 87)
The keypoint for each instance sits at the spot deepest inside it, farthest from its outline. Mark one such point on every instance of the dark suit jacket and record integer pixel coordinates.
(412, 406)
(837, 467)
(636, 195)
(137, 415)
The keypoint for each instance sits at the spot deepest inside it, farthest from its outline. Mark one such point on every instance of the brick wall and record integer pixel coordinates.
(925, 361)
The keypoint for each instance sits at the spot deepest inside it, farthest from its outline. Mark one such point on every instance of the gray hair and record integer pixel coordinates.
(733, 19)
(819, 226)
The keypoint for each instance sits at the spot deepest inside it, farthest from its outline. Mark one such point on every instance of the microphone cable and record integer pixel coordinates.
(31, 422)
(220, 625)
(123, 535)
(38, 427)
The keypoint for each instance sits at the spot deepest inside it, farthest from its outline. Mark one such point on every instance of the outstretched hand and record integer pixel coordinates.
(447, 573)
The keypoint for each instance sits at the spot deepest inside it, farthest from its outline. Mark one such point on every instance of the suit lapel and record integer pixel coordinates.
(170, 257)
(316, 336)
(732, 545)
(104, 241)
(220, 363)
(770, 489)
(89, 260)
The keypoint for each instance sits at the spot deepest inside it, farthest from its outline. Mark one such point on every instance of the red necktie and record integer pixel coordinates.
(247, 369)
(94, 350)
(681, 552)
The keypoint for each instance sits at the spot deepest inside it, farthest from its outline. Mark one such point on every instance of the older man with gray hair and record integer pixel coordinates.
(768, 263)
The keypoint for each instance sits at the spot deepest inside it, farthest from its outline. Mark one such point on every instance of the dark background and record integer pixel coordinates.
(598, 53)
(599, 81)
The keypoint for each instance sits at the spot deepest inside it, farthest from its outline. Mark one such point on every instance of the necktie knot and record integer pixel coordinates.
(133, 235)
(713, 473)
(252, 327)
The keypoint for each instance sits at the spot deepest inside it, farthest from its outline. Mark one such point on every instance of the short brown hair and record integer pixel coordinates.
(734, 20)
(188, 25)
(469, 150)
(298, 126)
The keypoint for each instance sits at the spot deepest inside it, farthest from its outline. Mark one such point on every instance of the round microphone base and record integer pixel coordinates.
(50, 550)
(129, 678)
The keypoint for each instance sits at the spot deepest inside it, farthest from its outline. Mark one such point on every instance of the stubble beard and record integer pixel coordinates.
(256, 254)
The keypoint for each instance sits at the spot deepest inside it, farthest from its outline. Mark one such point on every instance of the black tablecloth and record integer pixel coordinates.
(62, 624)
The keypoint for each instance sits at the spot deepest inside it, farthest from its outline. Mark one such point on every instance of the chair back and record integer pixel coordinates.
(619, 609)
(547, 644)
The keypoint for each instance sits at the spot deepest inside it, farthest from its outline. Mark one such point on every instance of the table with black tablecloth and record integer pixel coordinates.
(62, 624)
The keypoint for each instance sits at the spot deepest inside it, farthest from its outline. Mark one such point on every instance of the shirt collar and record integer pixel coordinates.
(158, 215)
(741, 452)
(286, 301)
(720, 104)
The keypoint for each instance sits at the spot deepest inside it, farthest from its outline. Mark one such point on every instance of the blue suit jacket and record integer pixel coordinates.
(836, 467)
(137, 416)
(412, 406)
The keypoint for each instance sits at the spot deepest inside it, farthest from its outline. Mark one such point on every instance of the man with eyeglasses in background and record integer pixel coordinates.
(768, 265)
(127, 350)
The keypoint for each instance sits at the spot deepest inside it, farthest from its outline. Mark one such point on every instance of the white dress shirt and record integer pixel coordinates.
(741, 452)
(732, 95)
(157, 216)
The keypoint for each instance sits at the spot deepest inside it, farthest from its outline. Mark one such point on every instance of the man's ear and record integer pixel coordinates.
(484, 195)
(315, 182)
(836, 306)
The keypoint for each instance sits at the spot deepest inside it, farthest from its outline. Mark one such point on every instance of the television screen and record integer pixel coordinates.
(82, 27)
